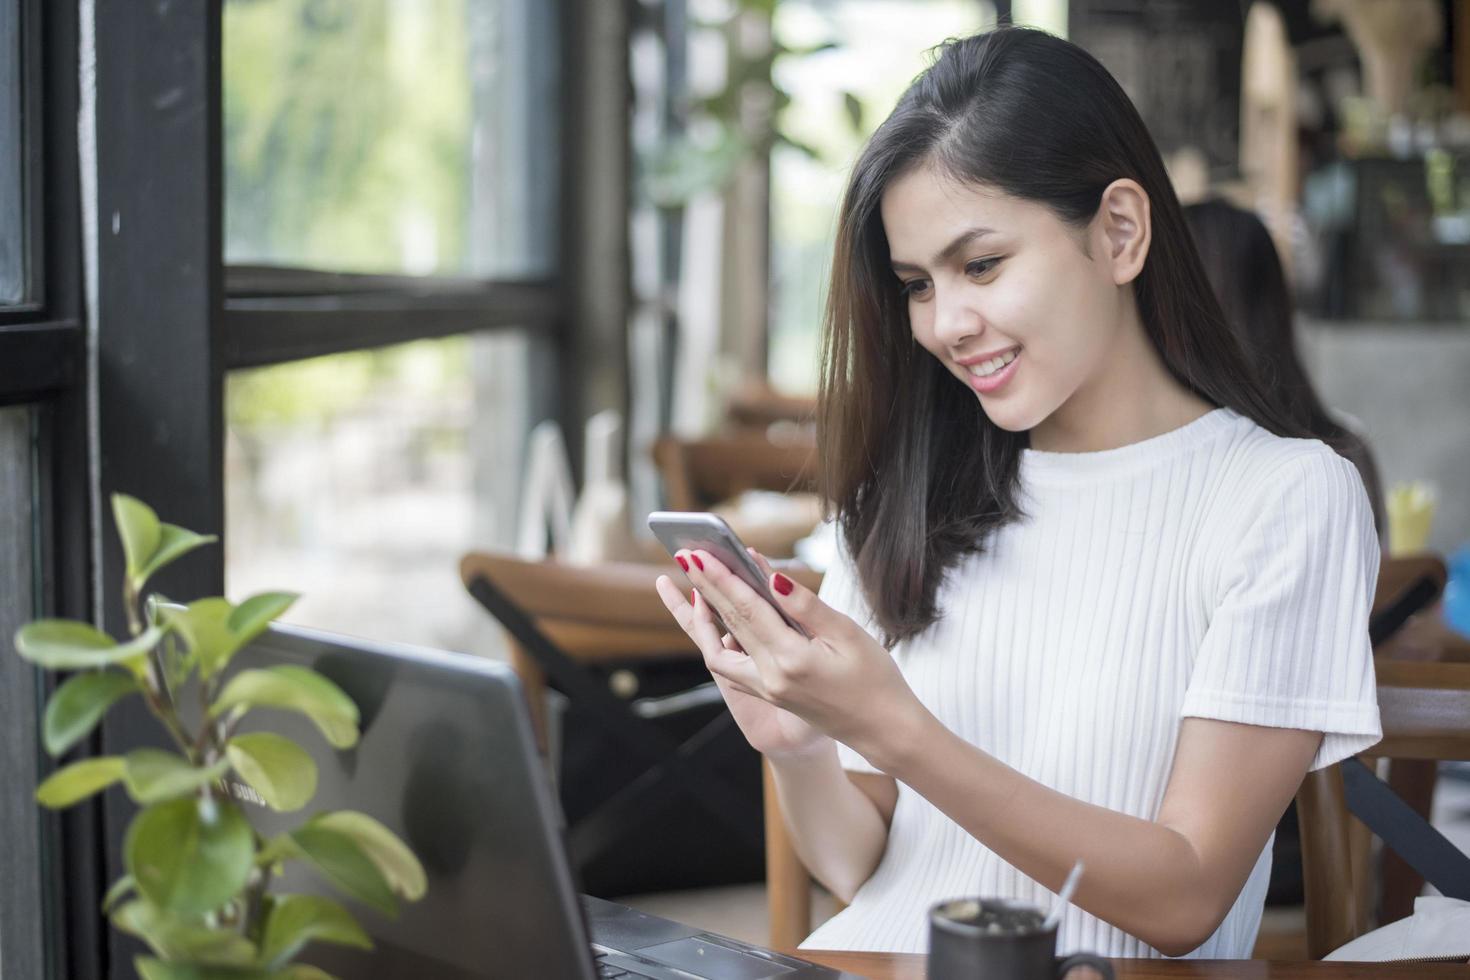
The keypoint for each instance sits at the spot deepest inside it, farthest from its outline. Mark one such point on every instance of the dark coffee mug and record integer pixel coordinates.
(992, 939)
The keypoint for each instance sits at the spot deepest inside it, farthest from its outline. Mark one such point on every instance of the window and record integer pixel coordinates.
(391, 187)
(376, 136)
(360, 479)
(14, 214)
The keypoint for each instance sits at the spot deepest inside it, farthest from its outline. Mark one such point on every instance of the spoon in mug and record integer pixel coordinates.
(1064, 897)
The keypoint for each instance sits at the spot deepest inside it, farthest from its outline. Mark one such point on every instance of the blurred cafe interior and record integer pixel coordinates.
(420, 307)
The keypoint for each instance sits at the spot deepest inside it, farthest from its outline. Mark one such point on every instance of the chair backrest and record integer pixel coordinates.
(1425, 709)
(758, 405)
(593, 613)
(1417, 702)
(699, 473)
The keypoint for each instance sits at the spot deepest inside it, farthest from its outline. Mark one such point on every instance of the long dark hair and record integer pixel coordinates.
(916, 472)
(1245, 271)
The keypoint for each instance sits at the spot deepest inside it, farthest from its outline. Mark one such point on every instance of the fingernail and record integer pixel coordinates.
(783, 584)
(682, 563)
(697, 563)
(693, 594)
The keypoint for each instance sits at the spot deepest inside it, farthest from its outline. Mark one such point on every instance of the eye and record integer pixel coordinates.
(980, 267)
(914, 288)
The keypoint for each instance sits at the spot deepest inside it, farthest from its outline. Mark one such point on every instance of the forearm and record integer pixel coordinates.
(835, 828)
(1145, 878)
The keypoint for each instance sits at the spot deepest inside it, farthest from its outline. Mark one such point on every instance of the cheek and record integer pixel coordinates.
(921, 326)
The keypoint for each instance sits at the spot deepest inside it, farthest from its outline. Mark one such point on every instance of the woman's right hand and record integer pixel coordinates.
(771, 731)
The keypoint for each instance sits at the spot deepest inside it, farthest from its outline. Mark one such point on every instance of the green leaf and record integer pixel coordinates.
(173, 543)
(122, 887)
(154, 775)
(65, 644)
(279, 769)
(203, 624)
(79, 704)
(137, 525)
(277, 849)
(338, 858)
(79, 781)
(252, 616)
(215, 629)
(854, 107)
(294, 689)
(397, 863)
(299, 919)
(189, 855)
(304, 971)
(177, 939)
(150, 969)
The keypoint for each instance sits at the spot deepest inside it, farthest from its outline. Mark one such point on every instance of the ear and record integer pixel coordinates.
(1124, 225)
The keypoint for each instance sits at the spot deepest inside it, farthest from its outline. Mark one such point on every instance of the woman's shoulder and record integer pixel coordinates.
(1260, 471)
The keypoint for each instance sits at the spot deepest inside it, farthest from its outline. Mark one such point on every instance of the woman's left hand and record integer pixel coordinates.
(841, 680)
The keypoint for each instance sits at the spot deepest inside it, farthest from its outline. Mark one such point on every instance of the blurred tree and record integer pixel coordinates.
(347, 134)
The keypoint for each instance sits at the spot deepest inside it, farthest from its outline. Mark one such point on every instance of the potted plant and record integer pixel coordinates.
(197, 883)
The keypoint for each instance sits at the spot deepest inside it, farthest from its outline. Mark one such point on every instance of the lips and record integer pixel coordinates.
(994, 372)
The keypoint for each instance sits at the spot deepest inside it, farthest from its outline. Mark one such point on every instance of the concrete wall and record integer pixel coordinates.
(1409, 385)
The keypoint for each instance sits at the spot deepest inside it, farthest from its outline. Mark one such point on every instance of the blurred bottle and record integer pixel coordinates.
(1410, 514)
(1457, 592)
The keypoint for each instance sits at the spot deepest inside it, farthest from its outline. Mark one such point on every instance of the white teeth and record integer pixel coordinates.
(986, 368)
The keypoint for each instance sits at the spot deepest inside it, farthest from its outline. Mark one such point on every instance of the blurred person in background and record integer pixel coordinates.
(1097, 597)
(1250, 283)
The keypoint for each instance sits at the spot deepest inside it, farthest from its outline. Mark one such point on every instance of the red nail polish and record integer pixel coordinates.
(783, 584)
(682, 563)
(697, 563)
(693, 593)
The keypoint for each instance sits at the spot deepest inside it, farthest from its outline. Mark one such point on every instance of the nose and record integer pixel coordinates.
(956, 319)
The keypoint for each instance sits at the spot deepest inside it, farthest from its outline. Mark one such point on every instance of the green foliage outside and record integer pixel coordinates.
(197, 881)
(347, 134)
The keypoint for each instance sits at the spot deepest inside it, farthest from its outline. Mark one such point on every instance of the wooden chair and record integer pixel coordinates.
(699, 473)
(562, 622)
(757, 405)
(1417, 681)
(1426, 716)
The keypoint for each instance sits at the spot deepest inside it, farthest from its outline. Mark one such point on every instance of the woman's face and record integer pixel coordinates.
(1005, 295)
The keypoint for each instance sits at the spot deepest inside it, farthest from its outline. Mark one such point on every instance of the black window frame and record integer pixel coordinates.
(43, 369)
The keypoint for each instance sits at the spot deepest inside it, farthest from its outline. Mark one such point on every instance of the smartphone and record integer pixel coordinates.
(688, 530)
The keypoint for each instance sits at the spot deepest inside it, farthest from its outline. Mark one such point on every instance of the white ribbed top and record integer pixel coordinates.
(1215, 571)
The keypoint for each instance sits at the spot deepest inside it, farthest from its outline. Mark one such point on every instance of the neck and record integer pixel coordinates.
(1129, 397)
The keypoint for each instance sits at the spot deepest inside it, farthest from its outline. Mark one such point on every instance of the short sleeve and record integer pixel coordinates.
(1287, 643)
(843, 591)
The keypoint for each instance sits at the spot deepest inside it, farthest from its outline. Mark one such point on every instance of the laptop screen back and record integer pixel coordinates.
(447, 762)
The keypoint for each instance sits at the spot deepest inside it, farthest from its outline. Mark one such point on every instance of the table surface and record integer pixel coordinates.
(906, 966)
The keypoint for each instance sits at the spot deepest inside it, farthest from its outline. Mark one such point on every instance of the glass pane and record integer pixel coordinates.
(360, 479)
(12, 174)
(390, 136)
(881, 46)
(22, 950)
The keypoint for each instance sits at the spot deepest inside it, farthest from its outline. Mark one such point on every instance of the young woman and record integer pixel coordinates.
(1242, 265)
(1094, 600)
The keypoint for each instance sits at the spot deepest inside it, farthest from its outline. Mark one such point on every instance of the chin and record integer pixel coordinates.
(1011, 418)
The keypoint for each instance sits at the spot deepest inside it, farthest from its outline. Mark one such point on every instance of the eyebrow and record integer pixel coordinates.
(948, 252)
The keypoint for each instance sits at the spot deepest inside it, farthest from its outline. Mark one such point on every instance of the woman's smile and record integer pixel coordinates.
(988, 373)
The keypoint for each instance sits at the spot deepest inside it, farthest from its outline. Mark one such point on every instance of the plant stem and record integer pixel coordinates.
(165, 713)
(255, 886)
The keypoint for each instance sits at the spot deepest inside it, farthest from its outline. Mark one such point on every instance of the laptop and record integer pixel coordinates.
(448, 761)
